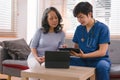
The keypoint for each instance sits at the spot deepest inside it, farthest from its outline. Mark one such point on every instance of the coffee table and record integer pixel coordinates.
(73, 73)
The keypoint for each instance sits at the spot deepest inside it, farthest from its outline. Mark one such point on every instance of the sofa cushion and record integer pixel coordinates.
(114, 50)
(115, 71)
(17, 49)
(19, 64)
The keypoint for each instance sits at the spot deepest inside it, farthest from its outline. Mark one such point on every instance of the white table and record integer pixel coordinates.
(73, 73)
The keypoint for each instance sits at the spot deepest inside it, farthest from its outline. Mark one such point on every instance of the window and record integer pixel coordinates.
(7, 18)
(32, 19)
(106, 11)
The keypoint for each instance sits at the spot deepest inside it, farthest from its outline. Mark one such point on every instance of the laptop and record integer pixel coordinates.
(57, 59)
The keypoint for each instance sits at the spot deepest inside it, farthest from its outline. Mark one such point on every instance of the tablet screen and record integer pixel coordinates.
(70, 49)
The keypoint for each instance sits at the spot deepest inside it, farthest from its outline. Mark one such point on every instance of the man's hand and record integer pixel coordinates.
(81, 54)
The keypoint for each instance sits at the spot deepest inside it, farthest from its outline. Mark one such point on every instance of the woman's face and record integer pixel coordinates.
(52, 19)
(83, 19)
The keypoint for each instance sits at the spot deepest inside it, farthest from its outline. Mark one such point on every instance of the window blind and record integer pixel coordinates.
(106, 11)
(115, 17)
(7, 18)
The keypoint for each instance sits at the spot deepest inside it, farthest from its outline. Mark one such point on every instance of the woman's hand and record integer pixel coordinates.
(41, 59)
(81, 54)
(63, 46)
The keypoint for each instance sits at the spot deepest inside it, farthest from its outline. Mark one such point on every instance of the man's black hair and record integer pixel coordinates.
(82, 7)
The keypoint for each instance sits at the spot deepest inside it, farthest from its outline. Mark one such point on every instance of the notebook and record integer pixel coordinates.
(57, 59)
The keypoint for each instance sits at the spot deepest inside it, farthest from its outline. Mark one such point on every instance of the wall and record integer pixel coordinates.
(22, 19)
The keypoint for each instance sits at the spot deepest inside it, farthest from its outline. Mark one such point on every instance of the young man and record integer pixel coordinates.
(92, 38)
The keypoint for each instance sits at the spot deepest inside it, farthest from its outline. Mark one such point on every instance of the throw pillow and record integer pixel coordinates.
(17, 49)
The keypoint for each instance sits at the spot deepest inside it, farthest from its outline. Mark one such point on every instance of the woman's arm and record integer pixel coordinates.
(35, 54)
(76, 45)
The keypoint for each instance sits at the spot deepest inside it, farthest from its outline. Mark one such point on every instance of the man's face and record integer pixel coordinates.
(83, 19)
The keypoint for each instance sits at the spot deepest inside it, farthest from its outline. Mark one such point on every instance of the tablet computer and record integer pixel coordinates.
(57, 59)
(70, 49)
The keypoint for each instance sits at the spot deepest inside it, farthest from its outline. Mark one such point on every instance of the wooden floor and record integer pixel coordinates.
(5, 77)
